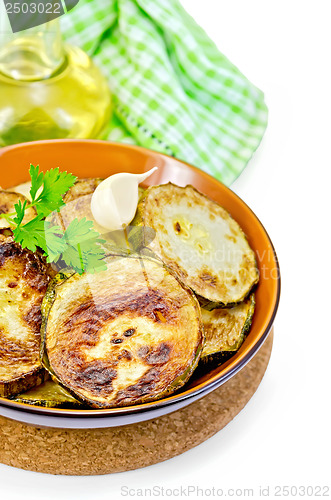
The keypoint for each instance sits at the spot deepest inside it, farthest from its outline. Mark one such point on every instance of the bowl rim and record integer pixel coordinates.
(193, 393)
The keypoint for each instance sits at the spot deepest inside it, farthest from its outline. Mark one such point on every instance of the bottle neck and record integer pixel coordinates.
(33, 54)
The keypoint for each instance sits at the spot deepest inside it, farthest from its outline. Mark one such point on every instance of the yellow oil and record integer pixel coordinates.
(40, 100)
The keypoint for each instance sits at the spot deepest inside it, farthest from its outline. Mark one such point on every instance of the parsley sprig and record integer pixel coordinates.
(78, 247)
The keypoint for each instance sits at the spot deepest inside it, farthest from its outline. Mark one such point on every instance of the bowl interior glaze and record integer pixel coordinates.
(86, 158)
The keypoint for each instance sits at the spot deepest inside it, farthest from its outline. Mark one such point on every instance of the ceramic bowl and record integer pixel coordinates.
(87, 158)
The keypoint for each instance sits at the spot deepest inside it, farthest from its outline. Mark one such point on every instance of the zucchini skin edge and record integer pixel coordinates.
(47, 303)
(22, 383)
(42, 403)
(217, 358)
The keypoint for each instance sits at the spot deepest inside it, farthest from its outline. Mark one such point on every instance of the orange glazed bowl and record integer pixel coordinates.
(88, 158)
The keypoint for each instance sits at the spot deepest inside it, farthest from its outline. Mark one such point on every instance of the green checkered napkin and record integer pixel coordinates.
(173, 90)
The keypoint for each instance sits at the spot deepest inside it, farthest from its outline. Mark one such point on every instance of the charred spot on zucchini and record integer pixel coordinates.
(23, 283)
(123, 336)
(48, 395)
(8, 200)
(200, 242)
(225, 330)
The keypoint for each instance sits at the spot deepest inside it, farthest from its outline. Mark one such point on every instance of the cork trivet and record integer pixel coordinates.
(117, 449)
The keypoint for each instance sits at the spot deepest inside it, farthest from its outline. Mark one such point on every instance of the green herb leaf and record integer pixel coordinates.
(20, 212)
(79, 231)
(30, 234)
(78, 246)
(55, 184)
(55, 242)
(38, 233)
(37, 179)
(83, 252)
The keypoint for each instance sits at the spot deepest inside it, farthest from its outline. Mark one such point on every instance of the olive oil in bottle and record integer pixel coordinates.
(49, 90)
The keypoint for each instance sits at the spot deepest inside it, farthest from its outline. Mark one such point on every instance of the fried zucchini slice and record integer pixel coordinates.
(82, 187)
(49, 395)
(200, 242)
(225, 330)
(8, 200)
(23, 283)
(78, 204)
(23, 189)
(123, 336)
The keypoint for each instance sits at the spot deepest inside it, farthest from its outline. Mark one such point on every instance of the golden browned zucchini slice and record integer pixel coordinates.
(23, 283)
(8, 201)
(123, 336)
(49, 395)
(200, 242)
(225, 330)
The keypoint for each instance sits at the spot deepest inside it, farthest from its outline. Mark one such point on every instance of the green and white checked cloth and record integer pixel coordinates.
(173, 91)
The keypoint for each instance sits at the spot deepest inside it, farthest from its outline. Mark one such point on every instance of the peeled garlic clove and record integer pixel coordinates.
(114, 202)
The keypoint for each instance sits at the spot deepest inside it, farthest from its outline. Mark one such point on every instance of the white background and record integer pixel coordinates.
(282, 437)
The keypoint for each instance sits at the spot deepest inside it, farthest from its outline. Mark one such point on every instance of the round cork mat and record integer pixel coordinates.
(117, 449)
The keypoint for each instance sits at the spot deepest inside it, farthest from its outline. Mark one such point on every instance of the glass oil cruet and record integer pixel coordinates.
(48, 90)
